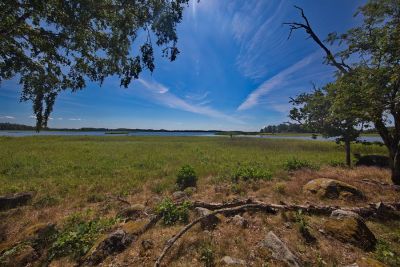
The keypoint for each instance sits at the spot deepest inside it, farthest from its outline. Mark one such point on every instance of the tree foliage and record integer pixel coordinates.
(52, 46)
(370, 80)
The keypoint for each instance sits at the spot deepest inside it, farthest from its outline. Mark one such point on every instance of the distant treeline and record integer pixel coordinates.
(284, 128)
(6, 126)
(15, 127)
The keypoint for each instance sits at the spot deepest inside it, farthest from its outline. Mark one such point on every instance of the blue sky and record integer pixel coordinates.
(236, 71)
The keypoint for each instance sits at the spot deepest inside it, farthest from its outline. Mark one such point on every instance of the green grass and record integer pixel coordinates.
(59, 168)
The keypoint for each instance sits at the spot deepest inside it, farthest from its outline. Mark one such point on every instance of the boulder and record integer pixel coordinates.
(16, 200)
(208, 223)
(107, 245)
(133, 212)
(349, 228)
(232, 261)
(279, 250)
(330, 188)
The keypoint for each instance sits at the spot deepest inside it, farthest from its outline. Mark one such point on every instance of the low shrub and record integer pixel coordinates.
(207, 255)
(186, 177)
(294, 164)
(172, 213)
(385, 254)
(78, 236)
(251, 172)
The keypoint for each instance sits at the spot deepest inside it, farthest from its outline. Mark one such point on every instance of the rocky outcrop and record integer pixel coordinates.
(279, 250)
(107, 245)
(348, 227)
(330, 188)
(209, 222)
(16, 200)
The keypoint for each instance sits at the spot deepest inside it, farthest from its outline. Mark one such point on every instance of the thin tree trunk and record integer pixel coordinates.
(348, 152)
(395, 166)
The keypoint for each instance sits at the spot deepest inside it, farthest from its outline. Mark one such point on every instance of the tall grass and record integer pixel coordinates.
(72, 166)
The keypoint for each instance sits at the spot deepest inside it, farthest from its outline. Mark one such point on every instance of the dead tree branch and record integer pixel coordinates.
(342, 67)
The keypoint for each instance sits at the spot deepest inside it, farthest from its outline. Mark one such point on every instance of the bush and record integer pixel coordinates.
(172, 213)
(294, 164)
(251, 172)
(78, 236)
(186, 177)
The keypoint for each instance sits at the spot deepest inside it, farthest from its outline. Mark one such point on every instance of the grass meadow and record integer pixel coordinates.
(62, 168)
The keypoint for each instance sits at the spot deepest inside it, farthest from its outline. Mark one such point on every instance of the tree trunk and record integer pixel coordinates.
(395, 166)
(348, 152)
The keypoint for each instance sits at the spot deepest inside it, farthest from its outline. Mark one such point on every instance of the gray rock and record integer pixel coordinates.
(208, 223)
(13, 201)
(232, 261)
(340, 214)
(279, 250)
(240, 221)
(179, 195)
(114, 242)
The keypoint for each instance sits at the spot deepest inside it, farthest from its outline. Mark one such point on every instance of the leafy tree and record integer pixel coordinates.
(373, 50)
(53, 46)
(319, 112)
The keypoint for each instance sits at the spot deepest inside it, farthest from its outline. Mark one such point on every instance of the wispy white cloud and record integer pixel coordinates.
(160, 94)
(7, 117)
(75, 119)
(256, 27)
(280, 79)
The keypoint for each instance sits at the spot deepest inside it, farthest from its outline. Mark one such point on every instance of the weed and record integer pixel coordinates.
(280, 188)
(207, 255)
(186, 177)
(172, 213)
(294, 164)
(251, 172)
(385, 254)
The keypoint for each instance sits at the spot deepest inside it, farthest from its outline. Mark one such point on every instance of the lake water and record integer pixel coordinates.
(100, 133)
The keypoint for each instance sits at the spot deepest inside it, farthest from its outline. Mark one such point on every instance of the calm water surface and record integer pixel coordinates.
(100, 133)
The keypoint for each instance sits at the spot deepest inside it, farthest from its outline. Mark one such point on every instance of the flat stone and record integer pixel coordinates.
(330, 188)
(16, 200)
(340, 214)
(232, 261)
(279, 250)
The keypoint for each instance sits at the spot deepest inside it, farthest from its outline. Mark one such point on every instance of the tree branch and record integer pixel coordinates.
(342, 67)
(249, 204)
